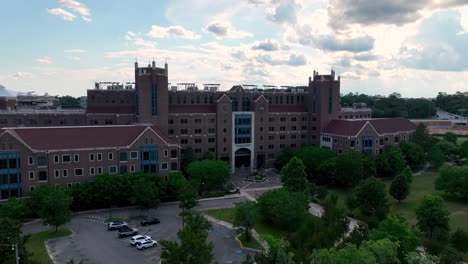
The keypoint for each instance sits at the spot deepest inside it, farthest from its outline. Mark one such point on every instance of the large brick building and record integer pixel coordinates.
(246, 126)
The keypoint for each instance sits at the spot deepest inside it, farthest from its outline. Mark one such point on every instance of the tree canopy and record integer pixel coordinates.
(246, 216)
(432, 213)
(399, 188)
(454, 180)
(53, 205)
(211, 174)
(283, 158)
(414, 155)
(293, 175)
(391, 162)
(312, 157)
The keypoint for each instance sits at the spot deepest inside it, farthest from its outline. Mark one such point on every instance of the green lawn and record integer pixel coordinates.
(36, 245)
(253, 243)
(459, 139)
(422, 185)
(263, 229)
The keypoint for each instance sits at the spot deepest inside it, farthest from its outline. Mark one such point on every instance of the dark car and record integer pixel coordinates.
(150, 221)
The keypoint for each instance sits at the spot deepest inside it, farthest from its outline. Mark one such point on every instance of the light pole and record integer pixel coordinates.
(15, 248)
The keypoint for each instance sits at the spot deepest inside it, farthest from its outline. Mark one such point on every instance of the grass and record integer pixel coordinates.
(253, 243)
(263, 229)
(422, 185)
(36, 245)
(459, 139)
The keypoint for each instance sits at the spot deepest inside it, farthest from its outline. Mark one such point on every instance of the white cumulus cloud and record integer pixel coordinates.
(77, 7)
(44, 60)
(225, 30)
(61, 13)
(171, 31)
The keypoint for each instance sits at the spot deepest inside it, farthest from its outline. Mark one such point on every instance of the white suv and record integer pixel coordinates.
(138, 238)
(116, 225)
(146, 244)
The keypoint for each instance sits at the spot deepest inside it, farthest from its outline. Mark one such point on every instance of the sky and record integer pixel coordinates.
(416, 48)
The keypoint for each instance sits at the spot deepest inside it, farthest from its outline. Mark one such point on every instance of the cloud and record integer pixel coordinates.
(292, 60)
(44, 60)
(77, 7)
(225, 30)
(172, 31)
(267, 45)
(366, 57)
(332, 43)
(75, 51)
(62, 13)
(20, 75)
(297, 60)
(144, 43)
(285, 12)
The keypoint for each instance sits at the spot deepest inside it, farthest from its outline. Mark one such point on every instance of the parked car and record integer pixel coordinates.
(150, 221)
(127, 231)
(138, 238)
(146, 244)
(116, 225)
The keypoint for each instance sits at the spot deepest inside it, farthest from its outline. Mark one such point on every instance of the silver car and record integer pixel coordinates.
(138, 238)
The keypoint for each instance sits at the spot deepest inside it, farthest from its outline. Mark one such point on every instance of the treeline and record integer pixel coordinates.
(393, 105)
(454, 103)
(68, 100)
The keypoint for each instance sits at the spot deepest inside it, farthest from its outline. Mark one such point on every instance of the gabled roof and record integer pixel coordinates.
(381, 126)
(81, 137)
(287, 108)
(188, 109)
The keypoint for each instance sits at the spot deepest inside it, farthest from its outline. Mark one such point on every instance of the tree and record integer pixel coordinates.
(464, 149)
(391, 162)
(451, 137)
(436, 157)
(312, 157)
(188, 198)
(54, 205)
(283, 158)
(278, 253)
(248, 260)
(399, 188)
(422, 137)
(192, 247)
(448, 148)
(432, 213)
(10, 231)
(145, 194)
(293, 176)
(15, 209)
(459, 240)
(408, 174)
(414, 154)
(349, 168)
(397, 230)
(208, 156)
(187, 158)
(212, 174)
(245, 218)
(421, 258)
(453, 180)
(370, 200)
(283, 208)
(175, 183)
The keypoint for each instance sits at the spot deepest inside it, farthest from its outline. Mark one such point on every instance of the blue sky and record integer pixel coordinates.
(416, 48)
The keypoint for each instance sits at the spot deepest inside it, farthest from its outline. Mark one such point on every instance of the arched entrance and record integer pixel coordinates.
(242, 160)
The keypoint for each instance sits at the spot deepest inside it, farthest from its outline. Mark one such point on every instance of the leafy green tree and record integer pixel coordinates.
(282, 208)
(414, 154)
(312, 157)
(326, 172)
(349, 168)
(422, 137)
(448, 148)
(212, 174)
(283, 158)
(359, 234)
(16, 209)
(175, 183)
(248, 260)
(293, 175)
(69, 101)
(369, 167)
(187, 158)
(451, 137)
(459, 240)
(436, 157)
(54, 205)
(421, 258)
(369, 199)
(408, 174)
(245, 218)
(397, 230)
(399, 188)
(453, 180)
(279, 252)
(391, 162)
(464, 149)
(208, 156)
(188, 198)
(145, 194)
(432, 213)
(192, 246)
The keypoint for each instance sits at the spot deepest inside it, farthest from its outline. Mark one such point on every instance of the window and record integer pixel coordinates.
(99, 170)
(184, 121)
(198, 131)
(42, 175)
(271, 119)
(134, 155)
(66, 158)
(99, 156)
(197, 121)
(282, 128)
(76, 158)
(271, 129)
(69, 185)
(386, 139)
(282, 137)
(31, 188)
(123, 156)
(132, 168)
(184, 131)
(123, 169)
(92, 171)
(165, 153)
(282, 119)
(171, 132)
(173, 166)
(110, 156)
(183, 141)
(171, 121)
(112, 169)
(173, 153)
(164, 166)
(31, 175)
(79, 172)
(30, 161)
(397, 139)
(56, 159)
(65, 173)
(211, 130)
(198, 140)
(91, 157)
(198, 150)
(293, 119)
(57, 173)
(41, 161)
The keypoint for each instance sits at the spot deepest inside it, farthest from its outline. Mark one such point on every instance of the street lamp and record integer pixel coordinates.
(15, 248)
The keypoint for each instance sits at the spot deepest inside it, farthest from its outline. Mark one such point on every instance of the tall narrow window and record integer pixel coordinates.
(154, 100)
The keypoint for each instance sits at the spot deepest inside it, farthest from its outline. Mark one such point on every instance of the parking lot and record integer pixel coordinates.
(92, 243)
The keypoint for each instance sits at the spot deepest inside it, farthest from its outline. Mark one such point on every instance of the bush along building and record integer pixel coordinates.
(146, 126)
